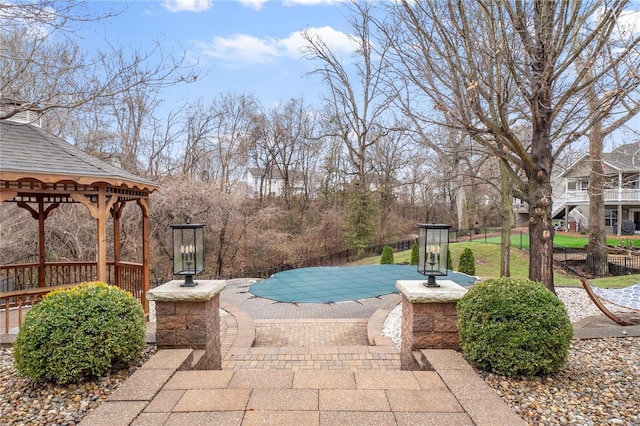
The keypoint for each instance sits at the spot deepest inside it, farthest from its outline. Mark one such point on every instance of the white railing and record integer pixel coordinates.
(617, 195)
(577, 196)
(622, 195)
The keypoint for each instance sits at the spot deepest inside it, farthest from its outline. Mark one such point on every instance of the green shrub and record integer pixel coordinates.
(78, 333)
(387, 256)
(449, 260)
(514, 327)
(467, 264)
(414, 254)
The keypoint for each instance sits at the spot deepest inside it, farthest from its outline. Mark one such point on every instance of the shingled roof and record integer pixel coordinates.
(625, 157)
(27, 151)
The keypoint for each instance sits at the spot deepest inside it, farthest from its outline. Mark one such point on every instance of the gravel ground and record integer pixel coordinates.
(599, 385)
(24, 402)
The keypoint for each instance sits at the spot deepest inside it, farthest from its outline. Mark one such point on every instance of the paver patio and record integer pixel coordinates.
(310, 365)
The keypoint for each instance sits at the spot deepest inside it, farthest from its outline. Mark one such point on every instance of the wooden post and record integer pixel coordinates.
(146, 267)
(42, 254)
(40, 215)
(116, 213)
(102, 235)
(99, 212)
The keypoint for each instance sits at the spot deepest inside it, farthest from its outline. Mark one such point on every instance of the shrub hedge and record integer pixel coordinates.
(78, 333)
(467, 264)
(414, 254)
(387, 256)
(514, 327)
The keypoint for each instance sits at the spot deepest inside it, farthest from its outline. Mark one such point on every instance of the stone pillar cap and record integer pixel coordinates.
(416, 292)
(172, 292)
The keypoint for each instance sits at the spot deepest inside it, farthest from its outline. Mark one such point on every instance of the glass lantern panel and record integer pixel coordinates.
(421, 249)
(199, 254)
(432, 255)
(187, 245)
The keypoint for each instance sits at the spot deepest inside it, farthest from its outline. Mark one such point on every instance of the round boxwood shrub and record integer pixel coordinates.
(78, 333)
(467, 264)
(387, 256)
(449, 260)
(514, 327)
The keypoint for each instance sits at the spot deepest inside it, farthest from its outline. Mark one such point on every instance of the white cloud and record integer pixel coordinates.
(242, 48)
(257, 4)
(254, 4)
(187, 5)
(630, 21)
(338, 41)
(310, 2)
(247, 49)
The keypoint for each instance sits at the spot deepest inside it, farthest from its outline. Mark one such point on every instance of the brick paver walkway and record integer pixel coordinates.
(307, 364)
(306, 336)
(311, 333)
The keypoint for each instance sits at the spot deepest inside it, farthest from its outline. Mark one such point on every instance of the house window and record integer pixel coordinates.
(584, 185)
(610, 217)
(256, 181)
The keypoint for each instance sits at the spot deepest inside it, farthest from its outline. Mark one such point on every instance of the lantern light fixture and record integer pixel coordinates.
(433, 249)
(188, 251)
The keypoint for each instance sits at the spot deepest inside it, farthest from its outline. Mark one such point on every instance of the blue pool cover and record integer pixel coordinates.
(330, 284)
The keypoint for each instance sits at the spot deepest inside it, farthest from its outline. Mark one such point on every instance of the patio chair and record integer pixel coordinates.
(626, 297)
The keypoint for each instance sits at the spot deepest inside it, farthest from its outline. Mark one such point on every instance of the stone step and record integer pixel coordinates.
(299, 358)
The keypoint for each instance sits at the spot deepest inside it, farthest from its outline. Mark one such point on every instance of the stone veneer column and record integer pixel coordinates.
(189, 317)
(429, 318)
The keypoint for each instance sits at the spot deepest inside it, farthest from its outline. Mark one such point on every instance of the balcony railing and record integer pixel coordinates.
(610, 195)
(19, 289)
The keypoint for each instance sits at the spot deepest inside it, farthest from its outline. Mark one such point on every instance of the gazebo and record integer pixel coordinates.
(39, 172)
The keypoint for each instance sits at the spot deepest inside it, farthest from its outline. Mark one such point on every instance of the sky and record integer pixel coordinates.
(245, 46)
(238, 46)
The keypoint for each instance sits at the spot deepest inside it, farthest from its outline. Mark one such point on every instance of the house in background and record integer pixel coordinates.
(621, 194)
(271, 183)
(570, 209)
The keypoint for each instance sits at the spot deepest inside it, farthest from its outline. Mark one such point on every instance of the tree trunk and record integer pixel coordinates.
(507, 220)
(597, 251)
(541, 229)
(461, 208)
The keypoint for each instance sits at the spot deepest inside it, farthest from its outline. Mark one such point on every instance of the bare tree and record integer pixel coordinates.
(333, 173)
(610, 104)
(287, 128)
(390, 155)
(357, 103)
(489, 68)
(43, 68)
(197, 125)
(231, 127)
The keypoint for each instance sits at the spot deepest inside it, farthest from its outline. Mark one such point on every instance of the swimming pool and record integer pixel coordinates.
(332, 284)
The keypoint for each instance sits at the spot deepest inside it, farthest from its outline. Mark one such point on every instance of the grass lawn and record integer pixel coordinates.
(487, 257)
(559, 240)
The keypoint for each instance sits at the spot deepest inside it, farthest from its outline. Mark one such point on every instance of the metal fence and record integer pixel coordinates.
(579, 262)
(334, 259)
(574, 260)
(489, 236)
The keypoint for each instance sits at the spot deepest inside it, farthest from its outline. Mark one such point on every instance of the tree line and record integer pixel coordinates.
(444, 111)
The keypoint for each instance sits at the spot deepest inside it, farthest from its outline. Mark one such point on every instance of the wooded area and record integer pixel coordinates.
(444, 112)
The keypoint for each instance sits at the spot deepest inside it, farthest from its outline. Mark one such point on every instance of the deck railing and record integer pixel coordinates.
(19, 284)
